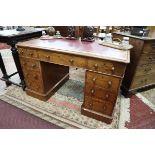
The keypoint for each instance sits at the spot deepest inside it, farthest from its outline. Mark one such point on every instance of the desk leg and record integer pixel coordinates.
(18, 65)
(5, 76)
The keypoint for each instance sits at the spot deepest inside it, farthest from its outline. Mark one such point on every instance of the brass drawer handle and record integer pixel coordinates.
(30, 54)
(22, 52)
(113, 68)
(94, 79)
(71, 60)
(33, 65)
(48, 57)
(24, 63)
(92, 91)
(109, 83)
(96, 66)
(107, 96)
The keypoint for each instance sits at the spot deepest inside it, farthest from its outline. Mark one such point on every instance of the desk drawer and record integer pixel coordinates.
(33, 81)
(100, 93)
(103, 107)
(144, 80)
(147, 59)
(30, 53)
(105, 66)
(104, 81)
(145, 69)
(30, 64)
(69, 60)
(45, 56)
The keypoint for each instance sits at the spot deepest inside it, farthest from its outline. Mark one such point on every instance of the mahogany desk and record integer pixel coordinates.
(11, 37)
(140, 73)
(46, 63)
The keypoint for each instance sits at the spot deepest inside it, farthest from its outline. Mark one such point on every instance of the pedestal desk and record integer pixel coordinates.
(46, 63)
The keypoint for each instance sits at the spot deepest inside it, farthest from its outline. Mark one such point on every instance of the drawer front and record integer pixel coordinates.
(107, 67)
(149, 47)
(45, 56)
(102, 107)
(30, 64)
(145, 69)
(104, 81)
(69, 60)
(30, 53)
(33, 81)
(146, 59)
(141, 81)
(100, 93)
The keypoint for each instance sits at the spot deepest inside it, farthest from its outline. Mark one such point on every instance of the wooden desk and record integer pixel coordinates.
(11, 37)
(45, 64)
(140, 73)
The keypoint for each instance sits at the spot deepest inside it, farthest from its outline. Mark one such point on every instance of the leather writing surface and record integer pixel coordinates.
(92, 49)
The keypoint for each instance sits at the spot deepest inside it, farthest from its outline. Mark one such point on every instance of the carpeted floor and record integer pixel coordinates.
(15, 118)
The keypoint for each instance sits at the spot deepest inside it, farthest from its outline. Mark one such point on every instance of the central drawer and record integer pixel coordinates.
(69, 60)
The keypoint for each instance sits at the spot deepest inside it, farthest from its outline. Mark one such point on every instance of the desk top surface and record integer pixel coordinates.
(77, 47)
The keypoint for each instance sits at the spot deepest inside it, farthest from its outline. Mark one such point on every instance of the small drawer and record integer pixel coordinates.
(30, 53)
(33, 81)
(107, 67)
(102, 107)
(142, 70)
(147, 59)
(69, 60)
(142, 81)
(22, 52)
(100, 93)
(30, 64)
(104, 81)
(45, 56)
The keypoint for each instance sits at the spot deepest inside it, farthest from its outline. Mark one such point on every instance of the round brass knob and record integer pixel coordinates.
(48, 57)
(94, 79)
(33, 65)
(107, 96)
(113, 68)
(109, 83)
(96, 66)
(92, 91)
(71, 60)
